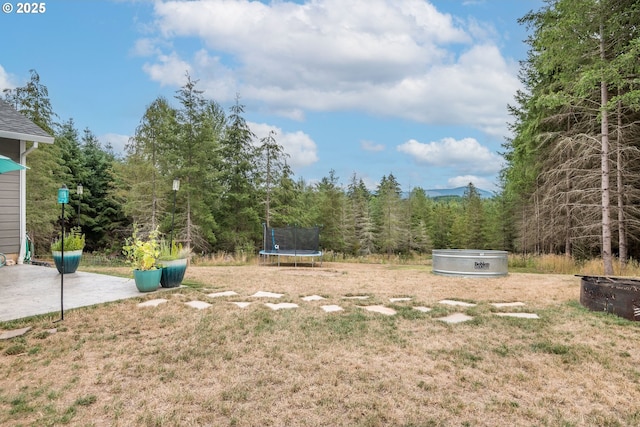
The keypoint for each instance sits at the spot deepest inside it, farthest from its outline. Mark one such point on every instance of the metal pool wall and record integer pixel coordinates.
(470, 262)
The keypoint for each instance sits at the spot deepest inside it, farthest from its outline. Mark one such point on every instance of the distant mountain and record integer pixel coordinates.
(459, 191)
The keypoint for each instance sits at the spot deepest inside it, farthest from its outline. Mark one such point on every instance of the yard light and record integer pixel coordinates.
(79, 191)
(176, 187)
(63, 199)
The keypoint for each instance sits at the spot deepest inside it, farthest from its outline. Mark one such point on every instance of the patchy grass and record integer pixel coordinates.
(118, 364)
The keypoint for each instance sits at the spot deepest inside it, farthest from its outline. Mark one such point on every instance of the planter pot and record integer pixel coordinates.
(173, 272)
(71, 260)
(147, 280)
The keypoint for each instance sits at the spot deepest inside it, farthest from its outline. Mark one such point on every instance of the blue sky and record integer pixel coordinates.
(372, 87)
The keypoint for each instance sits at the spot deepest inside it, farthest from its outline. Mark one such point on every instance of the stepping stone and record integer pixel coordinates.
(422, 309)
(222, 294)
(380, 309)
(455, 318)
(261, 294)
(457, 303)
(7, 335)
(198, 304)
(520, 315)
(357, 297)
(282, 305)
(399, 299)
(331, 308)
(313, 298)
(242, 304)
(152, 302)
(507, 304)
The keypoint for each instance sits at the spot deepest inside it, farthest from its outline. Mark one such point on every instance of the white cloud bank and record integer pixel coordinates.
(6, 80)
(298, 145)
(398, 58)
(467, 156)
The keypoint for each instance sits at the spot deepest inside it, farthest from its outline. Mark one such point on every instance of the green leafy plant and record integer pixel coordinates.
(142, 253)
(73, 241)
(173, 251)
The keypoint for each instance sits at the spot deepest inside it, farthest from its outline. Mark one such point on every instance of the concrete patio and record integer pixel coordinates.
(28, 290)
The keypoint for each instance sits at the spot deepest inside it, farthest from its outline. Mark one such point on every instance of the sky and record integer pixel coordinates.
(414, 88)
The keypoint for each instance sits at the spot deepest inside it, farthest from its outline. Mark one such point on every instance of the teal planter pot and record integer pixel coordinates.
(173, 272)
(147, 280)
(71, 260)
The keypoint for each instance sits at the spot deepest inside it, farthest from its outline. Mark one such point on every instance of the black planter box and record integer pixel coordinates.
(619, 296)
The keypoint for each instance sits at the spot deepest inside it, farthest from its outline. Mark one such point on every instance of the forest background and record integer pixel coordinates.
(570, 184)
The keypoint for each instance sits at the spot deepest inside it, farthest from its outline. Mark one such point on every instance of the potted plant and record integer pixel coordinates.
(173, 260)
(142, 254)
(74, 242)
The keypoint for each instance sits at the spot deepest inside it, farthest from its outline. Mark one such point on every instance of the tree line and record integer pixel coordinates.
(231, 183)
(573, 163)
(570, 185)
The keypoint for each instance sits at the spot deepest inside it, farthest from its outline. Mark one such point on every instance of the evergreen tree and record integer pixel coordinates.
(419, 209)
(74, 164)
(361, 229)
(45, 174)
(443, 217)
(389, 216)
(155, 136)
(240, 225)
(273, 166)
(288, 203)
(475, 219)
(104, 218)
(194, 159)
(330, 212)
(577, 72)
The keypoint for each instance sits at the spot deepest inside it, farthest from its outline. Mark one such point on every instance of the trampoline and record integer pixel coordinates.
(291, 242)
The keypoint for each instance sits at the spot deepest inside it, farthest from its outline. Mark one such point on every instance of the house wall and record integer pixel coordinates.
(10, 200)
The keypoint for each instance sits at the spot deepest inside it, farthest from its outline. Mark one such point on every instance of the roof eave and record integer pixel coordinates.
(26, 137)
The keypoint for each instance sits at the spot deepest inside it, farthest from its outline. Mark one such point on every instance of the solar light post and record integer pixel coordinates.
(176, 187)
(63, 199)
(79, 191)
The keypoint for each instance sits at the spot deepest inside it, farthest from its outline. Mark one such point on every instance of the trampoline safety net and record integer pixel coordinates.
(291, 241)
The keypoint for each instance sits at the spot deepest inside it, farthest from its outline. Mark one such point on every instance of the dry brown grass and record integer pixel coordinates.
(119, 364)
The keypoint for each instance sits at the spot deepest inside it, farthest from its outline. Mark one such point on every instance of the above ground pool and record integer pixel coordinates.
(470, 262)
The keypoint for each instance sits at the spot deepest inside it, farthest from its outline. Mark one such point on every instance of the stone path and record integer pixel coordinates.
(331, 308)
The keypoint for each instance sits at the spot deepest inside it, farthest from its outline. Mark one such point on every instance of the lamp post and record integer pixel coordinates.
(79, 191)
(63, 199)
(176, 187)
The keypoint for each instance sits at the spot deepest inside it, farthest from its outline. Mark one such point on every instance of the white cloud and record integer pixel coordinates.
(298, 145)
(6, 80)
(400, 58)
(169, 70)
(145, 47)
(466, 155)
(296, 114)
(371, 146)
(117, 141)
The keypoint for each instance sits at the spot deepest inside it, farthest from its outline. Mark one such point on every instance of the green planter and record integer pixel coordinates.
(147, 280)
(71, 260)
(173, 272)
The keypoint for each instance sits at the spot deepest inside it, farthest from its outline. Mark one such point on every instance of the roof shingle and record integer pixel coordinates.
(14, 125)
